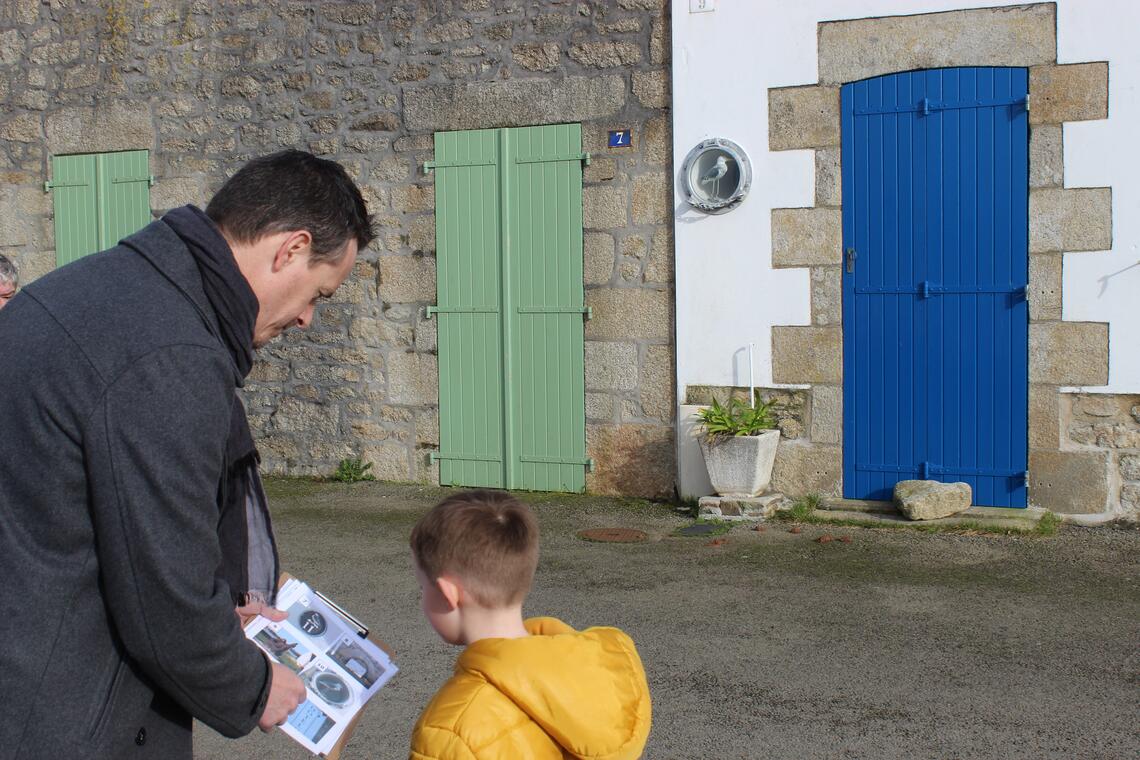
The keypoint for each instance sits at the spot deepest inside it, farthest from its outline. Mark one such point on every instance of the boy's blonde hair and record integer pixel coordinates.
(488, 539)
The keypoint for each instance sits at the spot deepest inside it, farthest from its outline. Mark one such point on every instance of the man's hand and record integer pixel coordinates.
(286, 691)
(248, 611)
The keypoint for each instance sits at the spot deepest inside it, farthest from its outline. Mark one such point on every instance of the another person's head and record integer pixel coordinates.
(9, 280)
(474, 551)
(295, 223)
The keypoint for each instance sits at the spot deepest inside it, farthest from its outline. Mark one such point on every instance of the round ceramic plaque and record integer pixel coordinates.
(716, 175)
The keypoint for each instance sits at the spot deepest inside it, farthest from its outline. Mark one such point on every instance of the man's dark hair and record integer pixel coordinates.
(293, 190)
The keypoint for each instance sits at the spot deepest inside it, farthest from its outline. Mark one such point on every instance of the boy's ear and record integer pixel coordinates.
(450, 590)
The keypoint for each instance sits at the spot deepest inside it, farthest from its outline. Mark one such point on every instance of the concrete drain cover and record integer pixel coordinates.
(699, 529)
(613, 535)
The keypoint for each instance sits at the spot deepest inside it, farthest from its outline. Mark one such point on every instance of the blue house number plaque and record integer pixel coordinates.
(621, 138)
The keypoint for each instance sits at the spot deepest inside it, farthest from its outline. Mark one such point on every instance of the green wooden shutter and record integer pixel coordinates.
(469, 299)
(99, 199)
(76, 212)
(511, 305)
(124, 190)
(545, 319)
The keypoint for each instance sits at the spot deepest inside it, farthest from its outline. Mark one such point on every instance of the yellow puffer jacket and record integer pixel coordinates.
(557, 694)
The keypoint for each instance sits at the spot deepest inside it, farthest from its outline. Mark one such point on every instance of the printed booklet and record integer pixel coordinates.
(329, 649)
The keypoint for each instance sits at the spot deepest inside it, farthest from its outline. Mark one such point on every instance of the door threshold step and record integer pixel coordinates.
(884, 511)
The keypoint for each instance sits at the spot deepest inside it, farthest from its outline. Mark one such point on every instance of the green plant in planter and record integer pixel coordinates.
(736, 418)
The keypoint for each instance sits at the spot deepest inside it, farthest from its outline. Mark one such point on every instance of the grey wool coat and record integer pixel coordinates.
(115, 401)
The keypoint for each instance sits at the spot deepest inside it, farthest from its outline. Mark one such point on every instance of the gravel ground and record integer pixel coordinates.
(771, 644)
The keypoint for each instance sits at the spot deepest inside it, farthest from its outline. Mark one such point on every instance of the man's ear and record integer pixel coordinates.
(450, 590)
(292, 246)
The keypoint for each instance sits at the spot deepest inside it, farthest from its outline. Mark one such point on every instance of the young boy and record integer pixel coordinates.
(522, 689)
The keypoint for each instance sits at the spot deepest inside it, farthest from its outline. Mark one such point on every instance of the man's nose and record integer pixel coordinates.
(306, 317)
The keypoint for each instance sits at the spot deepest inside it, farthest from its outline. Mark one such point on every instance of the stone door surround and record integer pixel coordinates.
(1061, 220)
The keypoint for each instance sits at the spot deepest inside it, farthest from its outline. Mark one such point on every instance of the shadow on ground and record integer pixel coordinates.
(770, 644)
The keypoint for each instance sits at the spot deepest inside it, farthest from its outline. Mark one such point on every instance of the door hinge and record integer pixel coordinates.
(850, 257)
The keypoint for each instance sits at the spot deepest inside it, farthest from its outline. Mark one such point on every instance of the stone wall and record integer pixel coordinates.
(206, 85)
(1101, 435)
(1062, 221)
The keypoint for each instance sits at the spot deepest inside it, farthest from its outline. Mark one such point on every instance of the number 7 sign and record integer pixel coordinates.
(621, 138)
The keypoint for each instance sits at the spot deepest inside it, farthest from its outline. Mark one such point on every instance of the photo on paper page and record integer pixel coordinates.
(333, 690)
(311, 727)
(282, 645)
(319, 622)
(360, 658)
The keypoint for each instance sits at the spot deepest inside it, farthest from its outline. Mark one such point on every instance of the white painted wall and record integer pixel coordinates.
(724, 61)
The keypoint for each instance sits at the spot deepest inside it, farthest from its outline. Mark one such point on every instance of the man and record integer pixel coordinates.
(132, 520)
(9, 281)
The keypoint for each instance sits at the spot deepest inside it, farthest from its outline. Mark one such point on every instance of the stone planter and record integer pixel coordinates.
(740, 466)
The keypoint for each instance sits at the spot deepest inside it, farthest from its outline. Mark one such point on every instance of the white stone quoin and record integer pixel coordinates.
(740, 465)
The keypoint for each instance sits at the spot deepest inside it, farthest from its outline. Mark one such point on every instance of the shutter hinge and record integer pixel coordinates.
(583, 157)
(850, 256)
(432, 165)
(587, 463)
(149, 180)
(49, 185)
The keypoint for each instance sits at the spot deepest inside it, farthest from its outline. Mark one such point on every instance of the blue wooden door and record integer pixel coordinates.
(935, 236)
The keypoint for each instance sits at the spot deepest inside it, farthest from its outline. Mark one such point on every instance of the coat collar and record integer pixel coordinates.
(165, 251)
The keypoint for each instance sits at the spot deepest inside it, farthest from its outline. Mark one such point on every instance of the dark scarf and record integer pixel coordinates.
(226, 288)
(249, 554)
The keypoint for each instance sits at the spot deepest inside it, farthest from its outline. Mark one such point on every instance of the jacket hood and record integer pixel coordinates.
(592, 698)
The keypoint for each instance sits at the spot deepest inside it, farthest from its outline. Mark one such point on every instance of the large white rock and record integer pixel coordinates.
(930, 499)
